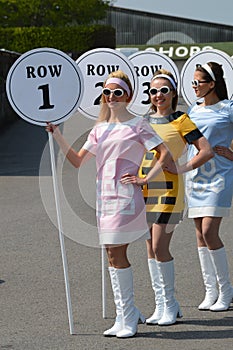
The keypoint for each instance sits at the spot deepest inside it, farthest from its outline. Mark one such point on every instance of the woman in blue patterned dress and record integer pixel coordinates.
(210, 187)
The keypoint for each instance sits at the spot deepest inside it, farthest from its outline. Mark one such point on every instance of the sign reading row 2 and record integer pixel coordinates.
(95, 66)
(44, 85)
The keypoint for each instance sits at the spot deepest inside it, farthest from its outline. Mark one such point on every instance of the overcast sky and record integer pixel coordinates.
(203, 10)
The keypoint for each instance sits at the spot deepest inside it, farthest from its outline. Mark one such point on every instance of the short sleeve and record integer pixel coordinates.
(148, 136)
(188, 128)
(91, 144)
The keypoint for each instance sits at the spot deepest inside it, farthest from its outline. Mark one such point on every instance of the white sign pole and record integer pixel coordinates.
(61, 236)
(104, 293)
(43, 73)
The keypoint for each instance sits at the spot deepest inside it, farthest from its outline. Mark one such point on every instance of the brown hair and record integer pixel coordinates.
(220, 85)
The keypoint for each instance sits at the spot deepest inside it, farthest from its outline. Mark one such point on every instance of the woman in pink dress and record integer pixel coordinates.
(119, 141)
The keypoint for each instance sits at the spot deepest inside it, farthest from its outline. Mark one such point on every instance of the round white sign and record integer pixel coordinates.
(44, 85)
(203, 57)
(146, 63)
(95, 66)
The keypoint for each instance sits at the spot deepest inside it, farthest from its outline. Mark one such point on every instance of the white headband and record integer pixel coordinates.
(166, 77)
(120, 82)
(209, 70)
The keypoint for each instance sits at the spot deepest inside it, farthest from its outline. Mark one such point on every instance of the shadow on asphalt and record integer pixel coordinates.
(158, 332)
(21, 147)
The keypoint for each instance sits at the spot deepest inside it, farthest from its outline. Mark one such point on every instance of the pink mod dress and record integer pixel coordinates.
(119, 149)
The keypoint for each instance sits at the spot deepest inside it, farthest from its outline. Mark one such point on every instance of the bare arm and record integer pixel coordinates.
(225, 151)
(75, 158)
(205, 152)
(164, 158)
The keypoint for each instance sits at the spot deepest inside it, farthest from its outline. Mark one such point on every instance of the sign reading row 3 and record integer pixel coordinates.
(46, 85)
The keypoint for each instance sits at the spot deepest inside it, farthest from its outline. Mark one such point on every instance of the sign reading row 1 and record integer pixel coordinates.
(46, 85)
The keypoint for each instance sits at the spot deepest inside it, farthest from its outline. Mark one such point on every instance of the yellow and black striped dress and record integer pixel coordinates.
(164, 195)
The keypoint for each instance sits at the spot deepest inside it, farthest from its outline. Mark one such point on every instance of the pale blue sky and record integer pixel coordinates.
(203, 10)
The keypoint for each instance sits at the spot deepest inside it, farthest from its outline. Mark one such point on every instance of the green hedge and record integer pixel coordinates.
(74, 40)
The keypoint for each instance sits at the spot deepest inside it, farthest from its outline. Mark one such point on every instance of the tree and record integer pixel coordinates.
(38, 13)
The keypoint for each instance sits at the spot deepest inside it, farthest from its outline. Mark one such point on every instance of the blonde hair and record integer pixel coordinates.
(104, 114)
(175, 98)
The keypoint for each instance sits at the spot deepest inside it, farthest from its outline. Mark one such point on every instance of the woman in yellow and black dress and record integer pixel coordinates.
(164, 195)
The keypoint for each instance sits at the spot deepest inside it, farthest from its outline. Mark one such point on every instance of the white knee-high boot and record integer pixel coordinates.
(171, 306)
(130, 314)
(209, 279)
(157, 288)
(219, 260)
(111, 332)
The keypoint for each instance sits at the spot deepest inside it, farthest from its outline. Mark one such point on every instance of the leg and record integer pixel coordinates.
(210, 232)
(117, 256)
(204, 226)
(207, 230)
(161, 238)
(199, 236)
(160, 242)
(150, 253)
(111, 332)
(130, 314)
(156, 285)
(122, 285)
(171, 307)
(209, 278)
(219, 260)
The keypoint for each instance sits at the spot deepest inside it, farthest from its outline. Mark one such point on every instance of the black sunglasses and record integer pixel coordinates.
(115, 92)
(164, 90)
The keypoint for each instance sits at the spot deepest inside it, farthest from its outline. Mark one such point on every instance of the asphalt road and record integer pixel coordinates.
(33, 309)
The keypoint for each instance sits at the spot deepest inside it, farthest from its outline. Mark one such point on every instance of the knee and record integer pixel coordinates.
(117, 257)
(156, 250)
(209, 238)
(206, 236)
(111, 257)
(150, 252)
(201, 241)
